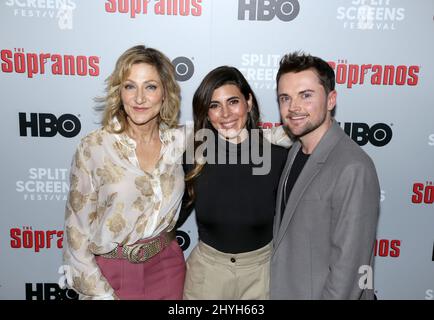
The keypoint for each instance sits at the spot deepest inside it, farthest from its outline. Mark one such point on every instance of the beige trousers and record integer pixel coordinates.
(216, 275)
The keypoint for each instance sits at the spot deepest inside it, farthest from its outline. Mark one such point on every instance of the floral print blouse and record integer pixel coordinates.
(113, 201)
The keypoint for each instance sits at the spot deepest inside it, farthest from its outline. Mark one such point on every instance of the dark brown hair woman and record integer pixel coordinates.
(234, 207)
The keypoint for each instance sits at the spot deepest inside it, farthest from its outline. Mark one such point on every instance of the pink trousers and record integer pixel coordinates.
(159, 278)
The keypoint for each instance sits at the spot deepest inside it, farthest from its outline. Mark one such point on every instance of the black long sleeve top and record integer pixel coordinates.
(235, 208)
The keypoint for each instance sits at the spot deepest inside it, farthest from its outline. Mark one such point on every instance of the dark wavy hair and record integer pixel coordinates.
(216, 78)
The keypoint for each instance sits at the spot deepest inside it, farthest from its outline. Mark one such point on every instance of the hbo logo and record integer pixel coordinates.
(47, 125)
(183, 239)
(266, 10)
(378, 135)
(49, 291)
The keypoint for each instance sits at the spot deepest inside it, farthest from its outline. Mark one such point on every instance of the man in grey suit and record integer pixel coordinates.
(328, 196)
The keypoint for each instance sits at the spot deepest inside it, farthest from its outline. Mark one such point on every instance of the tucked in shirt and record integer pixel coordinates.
(113, 201)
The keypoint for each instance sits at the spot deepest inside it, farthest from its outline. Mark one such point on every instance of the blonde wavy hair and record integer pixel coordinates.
(111, 104)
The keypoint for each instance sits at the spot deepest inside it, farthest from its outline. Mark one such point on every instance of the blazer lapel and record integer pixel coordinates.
(306, 176)
(310, 170)
(290, 159)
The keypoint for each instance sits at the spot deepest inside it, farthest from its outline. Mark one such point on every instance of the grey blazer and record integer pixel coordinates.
(329, 225)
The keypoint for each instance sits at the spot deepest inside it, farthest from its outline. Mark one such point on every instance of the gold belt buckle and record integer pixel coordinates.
(149, 249)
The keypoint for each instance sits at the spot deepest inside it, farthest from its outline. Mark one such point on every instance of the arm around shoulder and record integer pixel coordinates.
(278, 136)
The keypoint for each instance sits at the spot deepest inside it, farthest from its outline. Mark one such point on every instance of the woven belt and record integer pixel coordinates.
(141, 252)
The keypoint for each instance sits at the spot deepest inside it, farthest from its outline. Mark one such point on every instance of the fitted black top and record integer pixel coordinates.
(289, 181)
(234, 207)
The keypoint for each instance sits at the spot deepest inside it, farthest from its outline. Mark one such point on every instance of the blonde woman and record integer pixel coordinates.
(126, 191)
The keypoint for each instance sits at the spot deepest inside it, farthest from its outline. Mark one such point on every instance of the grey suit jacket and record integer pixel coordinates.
(328, 229)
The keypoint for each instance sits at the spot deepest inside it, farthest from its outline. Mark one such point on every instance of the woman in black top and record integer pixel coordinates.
(232, 189)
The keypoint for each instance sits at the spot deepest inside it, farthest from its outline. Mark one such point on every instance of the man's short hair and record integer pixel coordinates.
(300, 61)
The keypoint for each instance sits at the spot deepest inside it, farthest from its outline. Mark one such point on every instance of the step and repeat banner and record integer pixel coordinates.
(56, 54)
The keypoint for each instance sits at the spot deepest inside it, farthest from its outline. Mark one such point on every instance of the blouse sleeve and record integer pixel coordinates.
(84, 275)
(278, 136)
